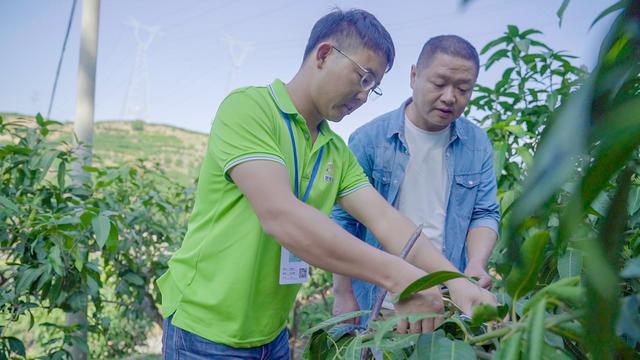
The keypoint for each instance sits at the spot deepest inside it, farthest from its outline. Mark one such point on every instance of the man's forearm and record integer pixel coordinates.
(313, 237)
(480, 243)
(394, 231)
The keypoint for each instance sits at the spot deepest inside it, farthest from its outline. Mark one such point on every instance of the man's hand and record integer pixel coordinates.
(474, 270)
(345, 303)
(466, 294)
(427, 301)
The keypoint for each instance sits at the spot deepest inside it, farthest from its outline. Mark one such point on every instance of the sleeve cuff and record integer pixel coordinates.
(485, 222)
(250, 157)
(353, 189)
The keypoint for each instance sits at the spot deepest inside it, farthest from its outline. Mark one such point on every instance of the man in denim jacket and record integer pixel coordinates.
(433, 165)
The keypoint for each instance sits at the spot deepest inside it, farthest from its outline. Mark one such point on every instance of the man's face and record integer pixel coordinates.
(338, 91)
(441, 90)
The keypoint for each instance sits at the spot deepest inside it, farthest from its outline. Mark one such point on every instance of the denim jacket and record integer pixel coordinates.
(381, 148)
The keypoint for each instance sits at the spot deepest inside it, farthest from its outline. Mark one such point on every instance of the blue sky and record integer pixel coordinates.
(189, 63)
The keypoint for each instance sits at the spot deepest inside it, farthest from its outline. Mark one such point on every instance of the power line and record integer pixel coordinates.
(64, 45)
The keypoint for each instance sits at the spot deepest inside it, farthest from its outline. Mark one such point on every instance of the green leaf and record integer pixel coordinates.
(560, 12)
(618, 136)
(345, 348)
(552, 100)
(335, 320)
(426, 345)
(516, 130)
(447, 349)
(500, 54)
(513, 30)
(55, 259)
(499, 157)
(570, 263)
(494, 43)
(550, 352)
(101, 227)
(16, 346)
(340, 330)
(54, 291)
(134, 279)
(510, 348)
(506, 199)
(428, 281)
(40, 120)
(112, 242)
(62, 169)
(398, 342)
(535, 336)
(526, 156)
(634, 200)
(554, 161)
(26, 278)
(93, 285)
(523, 275)
(8, 204)
(317, 348)
(46, 160)
(523, 45)
(601, 271)
(529, 32)
(615, 7)
(483, 313)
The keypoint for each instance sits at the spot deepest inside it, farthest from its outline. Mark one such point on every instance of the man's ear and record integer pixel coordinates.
(322, 53)
(412, 81)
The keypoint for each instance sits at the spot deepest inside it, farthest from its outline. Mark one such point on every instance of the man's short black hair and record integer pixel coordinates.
(350, 30)
(452, 45)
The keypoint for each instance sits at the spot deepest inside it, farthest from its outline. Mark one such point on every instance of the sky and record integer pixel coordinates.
(205, 48)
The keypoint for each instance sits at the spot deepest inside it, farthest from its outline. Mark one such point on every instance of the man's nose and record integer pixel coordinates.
(362, 97)
(448, 96)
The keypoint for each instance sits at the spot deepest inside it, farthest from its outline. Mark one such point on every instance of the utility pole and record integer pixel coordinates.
(135, 106)
(238, 50)
(83, 129)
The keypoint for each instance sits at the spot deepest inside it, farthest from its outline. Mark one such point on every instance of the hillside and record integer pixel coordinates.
(178, 151)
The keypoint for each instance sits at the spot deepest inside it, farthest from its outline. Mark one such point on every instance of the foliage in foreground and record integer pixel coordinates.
(566, 150)
(67, 246)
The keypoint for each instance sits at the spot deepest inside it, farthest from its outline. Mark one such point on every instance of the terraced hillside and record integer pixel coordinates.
(179, 152)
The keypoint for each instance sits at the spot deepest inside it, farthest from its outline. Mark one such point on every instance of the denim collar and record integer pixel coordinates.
(396, 125)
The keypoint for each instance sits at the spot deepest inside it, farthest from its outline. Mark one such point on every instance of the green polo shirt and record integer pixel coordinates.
(223, 282)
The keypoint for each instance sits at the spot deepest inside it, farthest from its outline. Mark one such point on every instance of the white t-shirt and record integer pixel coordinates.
(426, 182)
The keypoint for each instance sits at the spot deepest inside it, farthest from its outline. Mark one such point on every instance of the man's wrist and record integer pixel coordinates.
(405, 278)
(456, 283)
(476, 263)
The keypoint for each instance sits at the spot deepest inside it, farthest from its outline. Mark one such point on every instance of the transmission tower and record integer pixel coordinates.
(135, 105)
(238, 50)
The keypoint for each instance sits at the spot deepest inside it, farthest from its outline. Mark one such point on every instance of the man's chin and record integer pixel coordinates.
(335, 117)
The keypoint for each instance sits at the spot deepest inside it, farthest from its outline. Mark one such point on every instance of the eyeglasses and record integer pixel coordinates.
(367, 80)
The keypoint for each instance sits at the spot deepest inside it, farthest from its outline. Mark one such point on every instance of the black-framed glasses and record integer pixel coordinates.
(367, 80)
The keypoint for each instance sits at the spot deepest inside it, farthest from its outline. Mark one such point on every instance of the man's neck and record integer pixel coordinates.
(301, 98)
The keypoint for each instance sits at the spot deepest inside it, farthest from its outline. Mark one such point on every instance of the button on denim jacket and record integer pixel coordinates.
(381, 149)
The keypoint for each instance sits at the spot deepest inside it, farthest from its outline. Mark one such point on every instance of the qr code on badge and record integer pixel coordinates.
(302, 273)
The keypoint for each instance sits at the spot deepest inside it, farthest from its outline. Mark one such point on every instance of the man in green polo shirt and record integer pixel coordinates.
(272, 172)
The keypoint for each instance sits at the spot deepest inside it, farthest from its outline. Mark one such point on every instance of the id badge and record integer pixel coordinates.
(292, 269)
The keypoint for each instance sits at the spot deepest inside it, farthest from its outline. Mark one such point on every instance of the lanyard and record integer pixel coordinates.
(287, 120)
